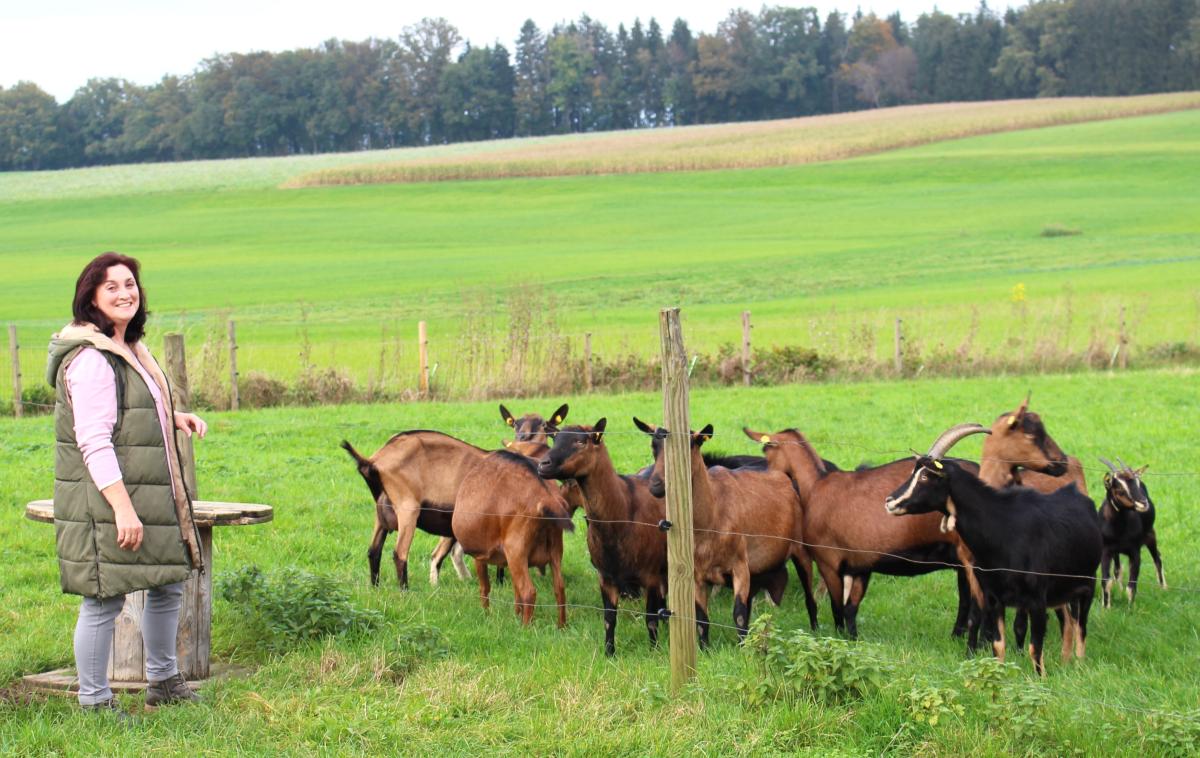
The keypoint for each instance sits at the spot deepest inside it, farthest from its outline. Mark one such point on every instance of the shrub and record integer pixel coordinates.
(257, 390)
(37, 399)
(290, 607)
(328, 387)
(799, 665)
(1058, 230)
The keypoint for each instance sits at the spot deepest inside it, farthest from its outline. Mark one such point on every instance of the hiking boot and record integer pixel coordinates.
(168, 691)
(109, 707)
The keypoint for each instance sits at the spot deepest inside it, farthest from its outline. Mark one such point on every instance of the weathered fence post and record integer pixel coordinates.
(587, 361)
(746, 375)
(14, 350)
(423, 358)
(234, 398)
(681, 588)
(899, 348)
(194, 641)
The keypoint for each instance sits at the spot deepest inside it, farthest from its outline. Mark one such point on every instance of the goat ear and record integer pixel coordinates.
(1142, 470)
(756, 436)
(598, 430)
(508, 417)
(643, 426)
(705, 434)
(560, 415)
(507, 443)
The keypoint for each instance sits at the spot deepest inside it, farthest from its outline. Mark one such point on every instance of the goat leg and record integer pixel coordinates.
(1152, 546)
(608, 598)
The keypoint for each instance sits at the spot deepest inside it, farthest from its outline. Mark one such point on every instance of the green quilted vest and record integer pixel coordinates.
(90, 562)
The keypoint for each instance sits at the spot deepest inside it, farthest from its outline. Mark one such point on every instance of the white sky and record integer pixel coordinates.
(60, 44)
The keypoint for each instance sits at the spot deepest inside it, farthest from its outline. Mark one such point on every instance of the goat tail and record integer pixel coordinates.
(558, 513)
(366, 469)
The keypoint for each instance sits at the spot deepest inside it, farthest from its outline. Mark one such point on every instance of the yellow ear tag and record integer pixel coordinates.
(765, 439)
(1012, 420)
(558, 419)
(937, 464)
(509, 421)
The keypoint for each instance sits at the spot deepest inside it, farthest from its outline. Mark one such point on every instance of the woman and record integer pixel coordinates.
(122, 515)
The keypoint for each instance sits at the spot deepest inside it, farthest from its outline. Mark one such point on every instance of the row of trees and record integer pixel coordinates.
(428, 86)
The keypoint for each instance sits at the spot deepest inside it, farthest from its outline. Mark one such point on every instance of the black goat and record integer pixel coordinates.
(1032, 550)
(1126, 523)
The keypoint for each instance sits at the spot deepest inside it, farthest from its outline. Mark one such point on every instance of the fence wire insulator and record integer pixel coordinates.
(665, 525)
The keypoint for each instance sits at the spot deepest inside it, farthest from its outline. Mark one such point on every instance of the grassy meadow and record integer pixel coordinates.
(950, 236)
(502, 689)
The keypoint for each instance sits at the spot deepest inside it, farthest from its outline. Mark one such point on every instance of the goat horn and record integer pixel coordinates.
(953, 435)
(1123, 465)
(1108, 463)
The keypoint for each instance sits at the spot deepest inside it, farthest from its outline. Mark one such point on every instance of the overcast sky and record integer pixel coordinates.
(60, 44)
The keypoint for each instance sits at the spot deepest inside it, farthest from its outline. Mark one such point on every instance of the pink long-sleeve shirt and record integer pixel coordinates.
(93, 390)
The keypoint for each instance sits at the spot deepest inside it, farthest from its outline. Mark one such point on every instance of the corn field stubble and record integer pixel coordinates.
(825, 255)
(539, 690)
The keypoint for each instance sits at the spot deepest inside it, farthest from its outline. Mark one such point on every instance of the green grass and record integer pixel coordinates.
(824, 255)
(504, 689)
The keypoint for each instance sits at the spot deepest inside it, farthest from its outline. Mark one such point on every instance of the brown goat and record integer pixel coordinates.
(624, 541)
(1020, 451)
(506, 515)
(748, 525)
(414, 479)
(531, 433)
(851, 537)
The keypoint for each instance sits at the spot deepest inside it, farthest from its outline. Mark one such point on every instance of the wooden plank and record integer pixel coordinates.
(681, 580)
(206, 513)
(423, 358)
(128, 659)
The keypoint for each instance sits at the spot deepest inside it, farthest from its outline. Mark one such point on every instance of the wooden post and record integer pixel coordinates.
(194, 641)
(587, 361)
(1123, 347)
(234, 398)
(681, 580)
(746, 377)
(14, 350)
(423, 357)
(899, 351)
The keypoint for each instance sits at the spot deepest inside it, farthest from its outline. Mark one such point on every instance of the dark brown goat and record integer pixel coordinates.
(748, 525)
(625, 544)
(506, 515)
(414, 479)
(851, 537)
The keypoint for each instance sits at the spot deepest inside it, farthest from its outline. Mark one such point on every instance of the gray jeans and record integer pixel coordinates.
(94, 635)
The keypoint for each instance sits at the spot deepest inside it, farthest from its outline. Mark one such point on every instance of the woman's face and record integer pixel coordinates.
(117, 297)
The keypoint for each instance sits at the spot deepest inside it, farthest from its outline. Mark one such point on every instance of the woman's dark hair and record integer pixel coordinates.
(86, 312)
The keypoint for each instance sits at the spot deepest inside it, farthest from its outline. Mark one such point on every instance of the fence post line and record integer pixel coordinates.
(14, 349)
(681, 581)
(1123, 347)
(234, 399)
(194, 640)
(746, 376)
(899, 348)
(587, 360)
(423, 358)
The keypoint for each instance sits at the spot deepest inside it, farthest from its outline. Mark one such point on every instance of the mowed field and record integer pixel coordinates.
(503, 689)
(825, 255)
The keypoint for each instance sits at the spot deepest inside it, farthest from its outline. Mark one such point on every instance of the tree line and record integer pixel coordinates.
(428, 86)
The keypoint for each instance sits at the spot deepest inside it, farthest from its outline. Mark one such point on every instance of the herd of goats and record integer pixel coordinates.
(1018, 527)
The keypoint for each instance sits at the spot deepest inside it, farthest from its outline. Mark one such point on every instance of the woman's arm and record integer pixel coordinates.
(92, 387)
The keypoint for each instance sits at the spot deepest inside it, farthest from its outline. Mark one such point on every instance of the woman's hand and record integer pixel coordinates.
(129, 528)
(190, 422)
